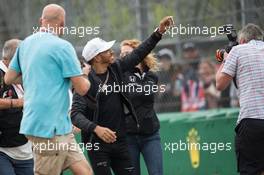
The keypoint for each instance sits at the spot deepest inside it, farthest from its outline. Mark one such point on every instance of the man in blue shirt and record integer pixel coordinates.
(48, 66)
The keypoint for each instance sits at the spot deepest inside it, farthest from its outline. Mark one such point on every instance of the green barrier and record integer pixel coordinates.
(200, 143)
(213, 132)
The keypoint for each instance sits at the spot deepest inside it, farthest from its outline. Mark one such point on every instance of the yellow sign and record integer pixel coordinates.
(194, 147)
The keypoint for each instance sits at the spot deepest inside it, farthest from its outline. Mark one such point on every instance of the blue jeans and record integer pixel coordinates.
(9, 166)
(150, 147)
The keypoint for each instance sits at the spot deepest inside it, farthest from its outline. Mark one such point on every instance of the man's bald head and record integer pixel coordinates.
(53, 15)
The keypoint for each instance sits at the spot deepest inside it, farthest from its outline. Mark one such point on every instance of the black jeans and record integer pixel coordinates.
(249, 143)
(113, 156)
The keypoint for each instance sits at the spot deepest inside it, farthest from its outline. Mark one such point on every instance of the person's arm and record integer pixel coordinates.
(12, 77)
(139, 53)
(81, 84)
(227, 70)
(10, 103)
(71, 68)
(222, 79)
(79, 109)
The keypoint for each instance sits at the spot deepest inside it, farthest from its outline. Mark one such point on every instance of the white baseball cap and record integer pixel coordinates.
(94, 47)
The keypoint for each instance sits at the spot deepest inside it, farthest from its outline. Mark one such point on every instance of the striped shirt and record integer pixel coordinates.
(246, 62)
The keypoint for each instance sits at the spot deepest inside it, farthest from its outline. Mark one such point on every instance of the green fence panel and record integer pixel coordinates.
(198, 143)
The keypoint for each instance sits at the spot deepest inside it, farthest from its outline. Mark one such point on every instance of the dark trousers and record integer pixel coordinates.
(9, 166)
(113, 156)
(249, 143)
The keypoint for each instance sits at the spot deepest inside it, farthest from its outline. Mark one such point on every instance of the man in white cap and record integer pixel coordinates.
(100, 114)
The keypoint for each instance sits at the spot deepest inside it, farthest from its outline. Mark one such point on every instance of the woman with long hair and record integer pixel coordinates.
(143, 138)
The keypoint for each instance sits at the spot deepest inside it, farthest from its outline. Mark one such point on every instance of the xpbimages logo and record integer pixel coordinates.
(211, 31)
(79, 31)
(132, 88)
(55, 146)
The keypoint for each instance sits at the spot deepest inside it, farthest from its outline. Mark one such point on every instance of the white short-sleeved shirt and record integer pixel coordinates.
(246, 63)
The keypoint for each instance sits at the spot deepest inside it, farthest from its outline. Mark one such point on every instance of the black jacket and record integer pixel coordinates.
(84, 112)
(10, 119)
(142, 101)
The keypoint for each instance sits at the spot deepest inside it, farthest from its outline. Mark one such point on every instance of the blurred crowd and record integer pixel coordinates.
(190, 82)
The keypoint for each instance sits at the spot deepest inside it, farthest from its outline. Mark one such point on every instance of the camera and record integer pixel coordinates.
(231, 34)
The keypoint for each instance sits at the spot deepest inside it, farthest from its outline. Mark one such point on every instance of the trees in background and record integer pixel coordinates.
(120, 19)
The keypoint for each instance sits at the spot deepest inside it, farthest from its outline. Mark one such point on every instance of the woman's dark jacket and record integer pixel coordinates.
(143, 101)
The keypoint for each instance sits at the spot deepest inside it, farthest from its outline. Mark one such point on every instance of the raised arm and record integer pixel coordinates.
(138, 54)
